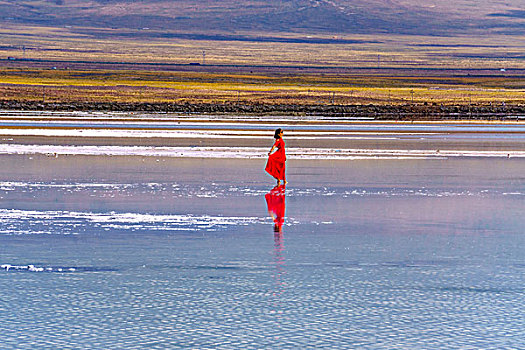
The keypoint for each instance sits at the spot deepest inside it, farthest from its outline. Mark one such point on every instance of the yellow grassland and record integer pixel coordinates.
(143, 86)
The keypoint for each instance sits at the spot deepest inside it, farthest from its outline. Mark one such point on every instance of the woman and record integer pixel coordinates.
(276, 161)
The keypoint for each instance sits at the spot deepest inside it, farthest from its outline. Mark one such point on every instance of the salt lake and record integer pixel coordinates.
(145, 252)
(387, 236)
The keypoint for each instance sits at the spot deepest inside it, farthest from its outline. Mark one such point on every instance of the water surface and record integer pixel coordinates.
(145, 252)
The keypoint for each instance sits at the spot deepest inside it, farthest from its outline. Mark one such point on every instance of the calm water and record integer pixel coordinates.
(130, 252)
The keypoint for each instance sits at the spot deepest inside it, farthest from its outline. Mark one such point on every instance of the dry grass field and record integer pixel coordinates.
(383, 50)
(67, 65)
(194, 87)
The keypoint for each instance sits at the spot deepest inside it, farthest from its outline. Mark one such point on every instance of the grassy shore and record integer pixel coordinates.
(307, 93)
(307, 88)
(387, 76)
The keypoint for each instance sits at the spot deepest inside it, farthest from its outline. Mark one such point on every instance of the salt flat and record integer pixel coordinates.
(244, 136)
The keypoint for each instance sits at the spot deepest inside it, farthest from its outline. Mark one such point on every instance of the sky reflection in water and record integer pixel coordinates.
(126, 253)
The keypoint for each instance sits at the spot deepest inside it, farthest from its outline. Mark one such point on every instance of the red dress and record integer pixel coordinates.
(276, 161)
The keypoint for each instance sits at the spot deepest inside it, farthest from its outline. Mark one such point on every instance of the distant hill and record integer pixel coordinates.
(428, 17)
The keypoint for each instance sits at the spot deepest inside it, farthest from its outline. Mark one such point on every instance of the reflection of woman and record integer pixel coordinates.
(276, 162)
(275, 199)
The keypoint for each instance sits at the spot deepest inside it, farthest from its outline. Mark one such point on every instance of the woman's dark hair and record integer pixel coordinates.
(277, 132)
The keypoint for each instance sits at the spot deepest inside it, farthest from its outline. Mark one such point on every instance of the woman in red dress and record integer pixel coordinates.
(276, 161)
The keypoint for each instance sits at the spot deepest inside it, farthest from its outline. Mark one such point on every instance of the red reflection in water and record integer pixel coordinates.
(275, 199)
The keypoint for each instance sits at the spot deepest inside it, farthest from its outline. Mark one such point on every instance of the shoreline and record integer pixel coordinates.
(55, 151)
(237, 136)
(401, 112)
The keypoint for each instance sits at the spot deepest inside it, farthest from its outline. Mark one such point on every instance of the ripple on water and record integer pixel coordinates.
(68, 222)
(60, 269)
(105, 190)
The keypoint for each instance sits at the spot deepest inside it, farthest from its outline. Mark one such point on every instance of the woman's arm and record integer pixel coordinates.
(274, 146)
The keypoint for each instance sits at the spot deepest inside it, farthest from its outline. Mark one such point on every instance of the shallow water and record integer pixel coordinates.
(144, 125)
(133, 252)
